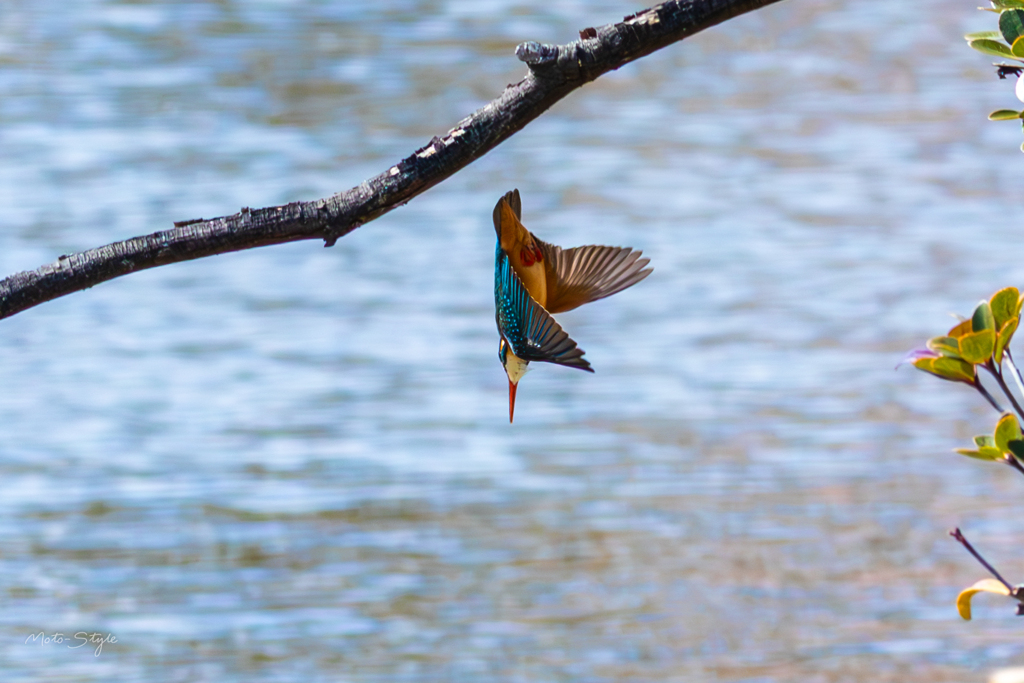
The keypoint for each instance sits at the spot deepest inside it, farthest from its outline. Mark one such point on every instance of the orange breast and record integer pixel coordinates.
(525, 255)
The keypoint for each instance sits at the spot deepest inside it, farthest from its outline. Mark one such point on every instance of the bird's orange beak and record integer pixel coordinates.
(511, 400)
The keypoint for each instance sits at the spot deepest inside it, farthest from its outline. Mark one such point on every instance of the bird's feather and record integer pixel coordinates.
(515, 203)
(583, 274)
(520, 246)
(531, 332)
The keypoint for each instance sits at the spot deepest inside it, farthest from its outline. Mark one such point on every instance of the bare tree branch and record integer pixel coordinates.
(555, 71)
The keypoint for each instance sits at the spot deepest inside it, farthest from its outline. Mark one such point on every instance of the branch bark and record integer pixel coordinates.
(554, 72)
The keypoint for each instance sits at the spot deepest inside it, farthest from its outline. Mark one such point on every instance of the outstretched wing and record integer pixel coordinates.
(583, 274)
(529, 329)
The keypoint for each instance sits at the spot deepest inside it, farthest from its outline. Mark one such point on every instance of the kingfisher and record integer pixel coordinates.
(534, 279)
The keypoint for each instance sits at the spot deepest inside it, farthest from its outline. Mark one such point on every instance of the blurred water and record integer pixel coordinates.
(294, 463)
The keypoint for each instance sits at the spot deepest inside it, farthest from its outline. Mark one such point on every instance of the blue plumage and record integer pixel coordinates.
(530, 330)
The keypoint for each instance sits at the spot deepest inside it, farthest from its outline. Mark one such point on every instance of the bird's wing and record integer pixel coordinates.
(583, 274)
(529, 329)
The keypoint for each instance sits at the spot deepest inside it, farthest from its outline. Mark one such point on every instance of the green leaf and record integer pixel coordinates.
(1003, 340)
(1004, 305)
(986, 453)
(1008, 429)
(947, 346)
(991, 453)
(1017, 48)
(983, 318)
(1007, 4)
(985, 440)
(976, 347)
(953, 369)
(983, 35)
(991, 47)
(928, 365)
(1016, 447)
(1011, 24)
(1005, 115)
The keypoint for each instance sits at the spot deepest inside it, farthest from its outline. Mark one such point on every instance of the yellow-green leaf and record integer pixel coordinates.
(960, 329)
(1005, 335)
(1004, 115)
(963, 601)
(985, 440)
(1006, 4)
(1009, 327)
(1008, 428)
(953, 369)
(947, 346)
(925, 364)
(1018, 47)
(987, 35)
(991, 47)
(1004, 305)
(977, 347)
(985, 453)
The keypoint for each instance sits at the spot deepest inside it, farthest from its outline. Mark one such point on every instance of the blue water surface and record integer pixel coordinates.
(294, 463)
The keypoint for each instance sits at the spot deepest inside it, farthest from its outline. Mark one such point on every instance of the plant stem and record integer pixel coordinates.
(984, 392)
(1014, 463)
(1008, 359)
(958, 535)
(998, 373)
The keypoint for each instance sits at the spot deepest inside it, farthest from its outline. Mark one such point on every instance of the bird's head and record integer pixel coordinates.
(515, 368)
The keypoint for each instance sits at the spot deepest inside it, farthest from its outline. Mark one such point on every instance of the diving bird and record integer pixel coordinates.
(533, 279)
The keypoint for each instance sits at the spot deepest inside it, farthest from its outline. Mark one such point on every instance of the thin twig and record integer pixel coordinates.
(958, 535)
(554, 72)
(1012, 461)
(998, 374)
(984, 392)
(1008, 360)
